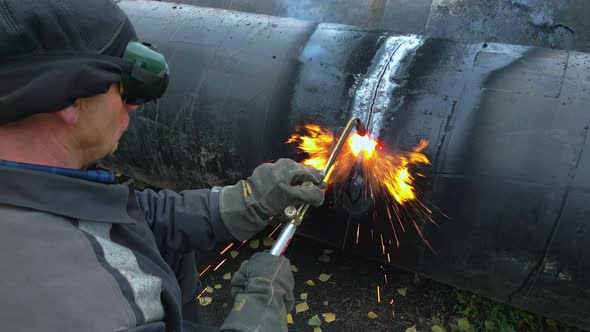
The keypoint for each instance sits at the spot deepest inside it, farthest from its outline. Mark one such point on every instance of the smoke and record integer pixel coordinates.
(309, 10)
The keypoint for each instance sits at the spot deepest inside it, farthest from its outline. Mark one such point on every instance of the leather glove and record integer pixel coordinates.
(245, 206)
(263, 291)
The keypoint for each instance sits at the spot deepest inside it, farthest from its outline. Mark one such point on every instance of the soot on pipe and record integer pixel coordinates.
(507, 128)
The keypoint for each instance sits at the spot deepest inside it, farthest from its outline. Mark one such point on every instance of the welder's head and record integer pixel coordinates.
(55, 53)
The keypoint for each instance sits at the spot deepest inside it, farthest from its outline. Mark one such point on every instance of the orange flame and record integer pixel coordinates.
(384, 169)
(386, 174)
(317, 143)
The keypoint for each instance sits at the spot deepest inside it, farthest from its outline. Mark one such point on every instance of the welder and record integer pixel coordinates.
(80, 252)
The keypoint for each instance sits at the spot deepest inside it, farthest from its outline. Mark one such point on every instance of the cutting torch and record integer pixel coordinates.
(295, 214)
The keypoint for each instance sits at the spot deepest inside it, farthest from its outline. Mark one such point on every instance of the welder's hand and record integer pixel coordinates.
(263, 290)
(271, 188)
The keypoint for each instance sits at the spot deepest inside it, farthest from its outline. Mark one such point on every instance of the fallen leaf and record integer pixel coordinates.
(411, 329)
(310, 283)
(290, 319)
(314, 321)
(227, 276)
(329, 317)
(372, 315)
(234, 254)
(328, 251)
(552, 325)
(463, 325)
(209, 289)
(324, 277)
(294, 268)
(268, 242)
(437, 328)
(317, 329)
(254, 244)
(402, 291)
(217, 286)
(205, 300)
(301, 307)
(324, 258)
(303, 296)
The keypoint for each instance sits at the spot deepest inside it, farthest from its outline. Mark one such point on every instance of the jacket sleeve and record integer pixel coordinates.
(185, 221)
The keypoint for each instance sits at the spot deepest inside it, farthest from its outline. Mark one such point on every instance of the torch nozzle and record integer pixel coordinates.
(361, 129)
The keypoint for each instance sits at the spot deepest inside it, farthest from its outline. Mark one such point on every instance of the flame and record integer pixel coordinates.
(384, 169)
(387, 174)
(317, 143)
(364, 144)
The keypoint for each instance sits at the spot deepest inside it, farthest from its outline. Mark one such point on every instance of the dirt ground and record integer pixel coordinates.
(407, 300)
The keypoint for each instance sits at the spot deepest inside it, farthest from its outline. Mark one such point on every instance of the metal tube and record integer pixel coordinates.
(507, 127)
(283, 240)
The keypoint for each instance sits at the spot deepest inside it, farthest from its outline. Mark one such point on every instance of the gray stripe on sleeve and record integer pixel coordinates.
(146, 288)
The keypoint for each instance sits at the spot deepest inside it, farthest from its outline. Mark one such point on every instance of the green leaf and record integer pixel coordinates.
(314, 321)
(489, 325)
(411, 329)
(551, 324)
(301, 307)
(268, 242)
(402, 291)
(254, 244)
(463, 325)
(437, 328)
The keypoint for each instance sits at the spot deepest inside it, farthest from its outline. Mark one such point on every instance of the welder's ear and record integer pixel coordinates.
(69, 115)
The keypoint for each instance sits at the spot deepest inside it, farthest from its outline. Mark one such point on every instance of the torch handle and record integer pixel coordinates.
(283, 240)
(289, 230)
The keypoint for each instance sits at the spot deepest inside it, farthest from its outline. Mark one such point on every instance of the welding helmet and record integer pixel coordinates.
(55, 52)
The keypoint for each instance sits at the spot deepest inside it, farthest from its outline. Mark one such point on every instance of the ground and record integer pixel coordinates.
(407, 300)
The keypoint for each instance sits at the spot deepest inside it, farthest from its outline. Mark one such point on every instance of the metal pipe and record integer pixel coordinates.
(507, 127)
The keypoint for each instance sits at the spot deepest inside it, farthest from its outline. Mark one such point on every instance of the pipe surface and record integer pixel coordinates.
(507, 127)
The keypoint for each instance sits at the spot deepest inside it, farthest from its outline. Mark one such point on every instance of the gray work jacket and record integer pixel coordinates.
(77, 255)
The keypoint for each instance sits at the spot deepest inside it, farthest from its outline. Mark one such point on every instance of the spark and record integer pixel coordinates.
(382, 244)
(241, 245)
(205, 270)
(378, 294)
(201, 294)
(226, 249)
(274, 231)
(385, 275)
(358, 228)
(388, 258)
(219, 265)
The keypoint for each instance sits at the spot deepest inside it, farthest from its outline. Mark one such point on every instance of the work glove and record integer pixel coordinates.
(263, 295)
(245, 206)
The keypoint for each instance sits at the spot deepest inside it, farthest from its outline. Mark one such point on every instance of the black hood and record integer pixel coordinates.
(53, 52)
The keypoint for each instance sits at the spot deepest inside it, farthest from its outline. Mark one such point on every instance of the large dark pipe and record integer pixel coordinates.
(507, 127)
